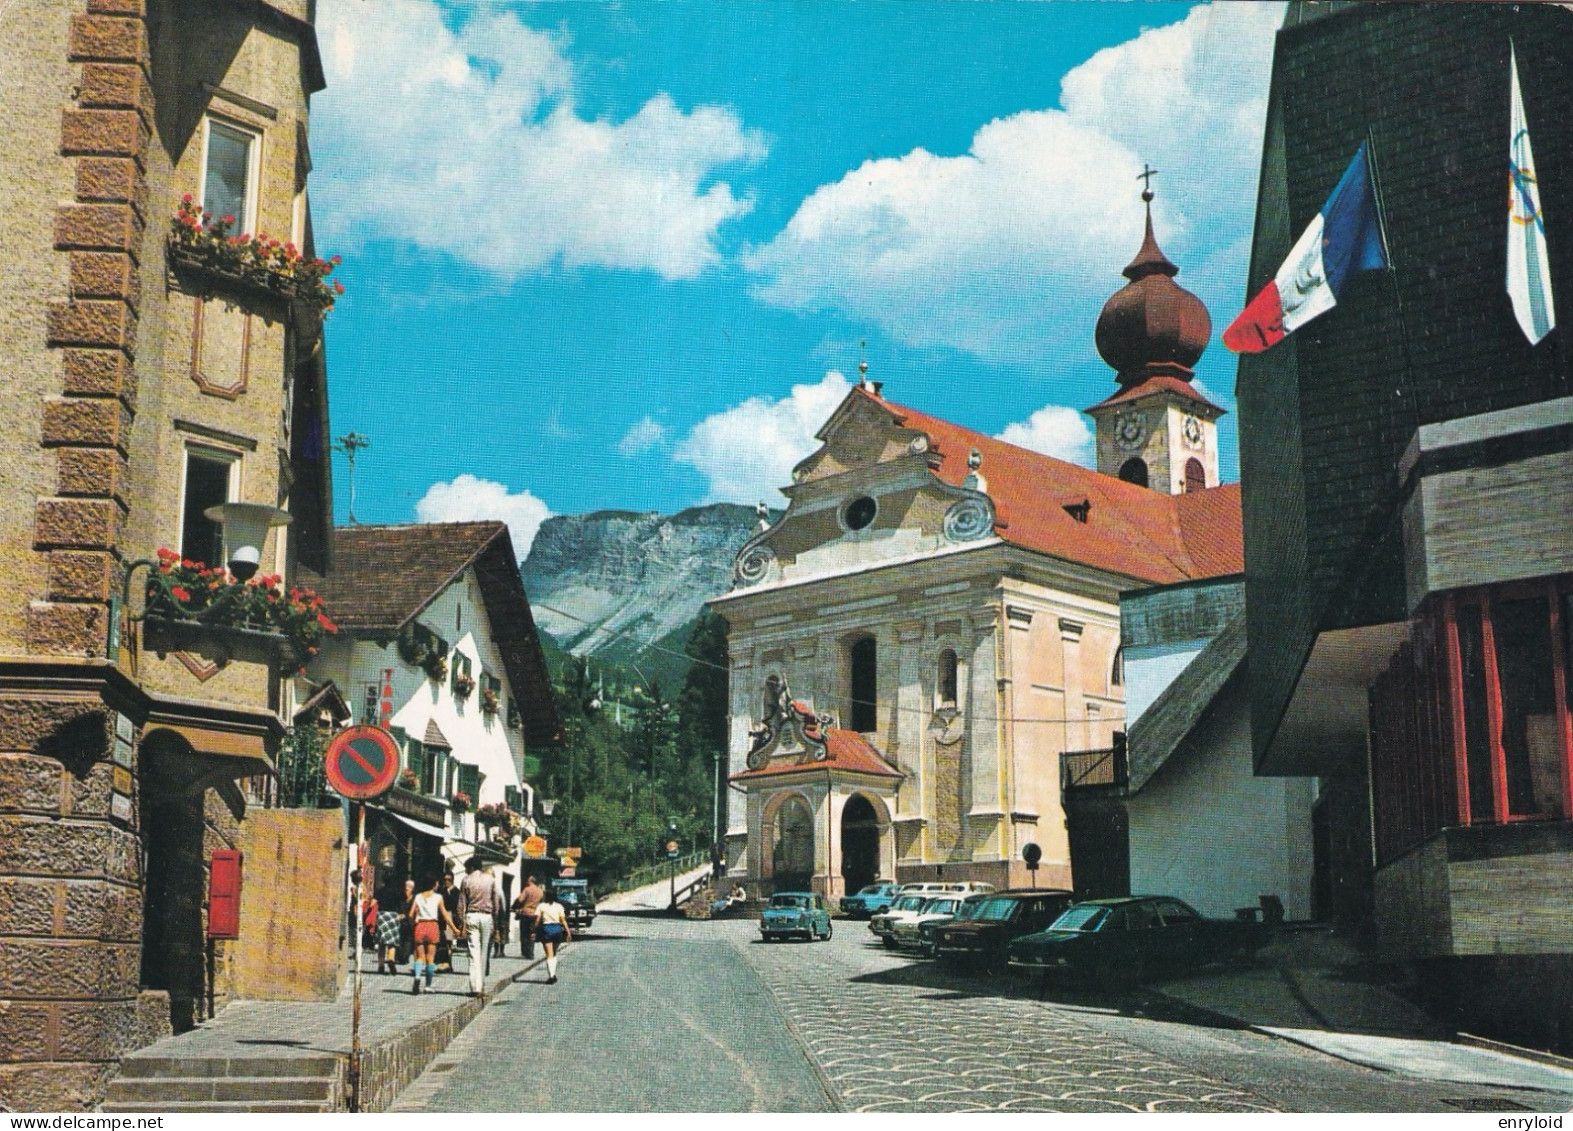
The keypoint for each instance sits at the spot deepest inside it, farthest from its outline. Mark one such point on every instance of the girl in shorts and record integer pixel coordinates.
(428, 913)
(551, 923)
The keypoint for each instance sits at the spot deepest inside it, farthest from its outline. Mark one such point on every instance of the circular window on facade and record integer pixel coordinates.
(860, 513)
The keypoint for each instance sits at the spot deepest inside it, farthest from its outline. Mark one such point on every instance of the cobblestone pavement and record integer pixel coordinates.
(696, 1016)
(891, 1044)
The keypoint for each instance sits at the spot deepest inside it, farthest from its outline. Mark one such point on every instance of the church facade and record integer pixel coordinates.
(934, 620)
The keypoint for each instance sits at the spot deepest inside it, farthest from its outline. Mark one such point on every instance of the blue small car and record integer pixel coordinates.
(795, 913)
(870, 900)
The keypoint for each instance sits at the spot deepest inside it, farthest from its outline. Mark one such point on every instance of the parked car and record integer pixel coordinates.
(940, 887)
(930, 926)
(578, 903)
(870, 900)
(795, 914)
(905, 932)
(1005, 915)
(1127, 939)
(906, 904)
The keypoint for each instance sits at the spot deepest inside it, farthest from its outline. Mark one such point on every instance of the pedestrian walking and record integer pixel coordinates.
(551, 924)
(479, 898)
(500, 929)
(407, 925)
(450, 900)
(389, 934)
(429, 915)
(524, 905)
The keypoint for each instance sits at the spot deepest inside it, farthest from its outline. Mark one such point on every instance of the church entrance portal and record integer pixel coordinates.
(792, 860)
(859, 845)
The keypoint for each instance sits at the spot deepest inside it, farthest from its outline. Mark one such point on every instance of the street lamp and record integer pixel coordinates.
(671, 860)
(245, 527)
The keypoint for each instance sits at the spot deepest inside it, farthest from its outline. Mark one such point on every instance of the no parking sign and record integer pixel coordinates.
(362, 762)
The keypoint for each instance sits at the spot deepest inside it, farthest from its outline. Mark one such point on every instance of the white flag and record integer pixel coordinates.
(1528, 269)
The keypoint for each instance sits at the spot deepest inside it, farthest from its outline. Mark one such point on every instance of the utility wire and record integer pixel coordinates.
(617, 633)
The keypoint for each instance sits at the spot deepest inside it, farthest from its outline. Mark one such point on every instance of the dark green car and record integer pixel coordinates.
(1114, 940)
(795, 914)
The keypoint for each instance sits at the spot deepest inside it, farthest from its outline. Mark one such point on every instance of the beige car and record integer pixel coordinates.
(906, 933)
(906, 905)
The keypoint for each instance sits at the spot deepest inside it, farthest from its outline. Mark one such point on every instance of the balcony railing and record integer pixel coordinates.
(1094, 769)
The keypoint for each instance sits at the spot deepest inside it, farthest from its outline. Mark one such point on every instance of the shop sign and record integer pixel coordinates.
(415, 806)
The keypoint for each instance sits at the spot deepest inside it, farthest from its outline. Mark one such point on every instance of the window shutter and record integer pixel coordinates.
(470, 781)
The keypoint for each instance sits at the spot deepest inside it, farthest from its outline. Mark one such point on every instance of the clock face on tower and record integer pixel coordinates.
(1129, 432)
(1191, 430)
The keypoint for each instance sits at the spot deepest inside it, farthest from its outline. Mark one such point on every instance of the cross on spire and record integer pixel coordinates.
(1146, 176)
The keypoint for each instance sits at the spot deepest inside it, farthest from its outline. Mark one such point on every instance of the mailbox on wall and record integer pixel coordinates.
(224, 894)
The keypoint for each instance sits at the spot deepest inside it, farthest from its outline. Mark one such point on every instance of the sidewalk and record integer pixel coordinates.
(651, 897)
(1316, 989)
(400, 1032)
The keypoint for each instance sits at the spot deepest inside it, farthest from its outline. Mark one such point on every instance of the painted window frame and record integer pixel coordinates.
(209, 453)
(247, 224)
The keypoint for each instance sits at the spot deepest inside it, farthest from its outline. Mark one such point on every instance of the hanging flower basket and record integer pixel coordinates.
(202, 246)
(460, 802)
(408, 780)
(463, 686)
(489, 704)
(435, 667)
(192, 607)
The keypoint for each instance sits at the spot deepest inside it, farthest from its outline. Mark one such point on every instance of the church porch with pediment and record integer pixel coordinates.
(819, 808)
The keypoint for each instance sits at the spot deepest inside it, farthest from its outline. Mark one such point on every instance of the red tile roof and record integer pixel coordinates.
(1130, 530)
(1159, 384)
(846, 750)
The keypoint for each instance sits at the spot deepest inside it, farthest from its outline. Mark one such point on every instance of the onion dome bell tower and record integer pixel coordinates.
(1156, 430)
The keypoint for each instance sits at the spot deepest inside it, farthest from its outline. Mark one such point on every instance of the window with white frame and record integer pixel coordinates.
(209, 479)
(232, 157)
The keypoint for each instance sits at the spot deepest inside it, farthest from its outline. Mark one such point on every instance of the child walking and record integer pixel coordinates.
(551, 923)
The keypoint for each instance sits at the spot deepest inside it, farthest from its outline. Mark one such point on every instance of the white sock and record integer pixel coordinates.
(551, 967)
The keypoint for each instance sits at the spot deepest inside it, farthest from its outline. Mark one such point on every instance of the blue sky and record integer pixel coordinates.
(622, 255)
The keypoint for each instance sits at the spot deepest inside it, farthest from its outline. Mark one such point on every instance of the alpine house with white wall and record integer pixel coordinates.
(437, 643)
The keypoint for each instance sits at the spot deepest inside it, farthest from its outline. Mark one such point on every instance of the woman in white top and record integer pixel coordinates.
(428, 912)
(551, 923)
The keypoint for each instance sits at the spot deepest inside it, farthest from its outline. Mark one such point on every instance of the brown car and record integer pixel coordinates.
(1005, 915)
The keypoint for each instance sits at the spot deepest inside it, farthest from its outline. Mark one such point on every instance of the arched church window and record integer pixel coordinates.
(1134, 470)
(863, 684)
(1195, 475)
(1117, 672)
(945, 684)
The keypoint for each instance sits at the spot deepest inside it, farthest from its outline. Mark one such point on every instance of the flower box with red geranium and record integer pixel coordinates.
(463, 685)
(490, 704)
(408, 780)
(192, 607)
(202, 248)
(460, 802)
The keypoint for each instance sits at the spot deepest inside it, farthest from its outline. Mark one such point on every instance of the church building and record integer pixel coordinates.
(934, 620)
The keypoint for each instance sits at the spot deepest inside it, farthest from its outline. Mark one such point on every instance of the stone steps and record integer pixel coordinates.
(218, 1084)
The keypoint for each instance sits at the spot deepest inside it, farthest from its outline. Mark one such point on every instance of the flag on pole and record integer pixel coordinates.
(1528, 268)
(1343, 239)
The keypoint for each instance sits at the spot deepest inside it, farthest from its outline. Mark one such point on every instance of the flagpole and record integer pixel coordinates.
(1406, 371)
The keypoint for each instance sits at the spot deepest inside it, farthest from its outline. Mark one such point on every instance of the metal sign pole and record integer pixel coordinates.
(360, 900)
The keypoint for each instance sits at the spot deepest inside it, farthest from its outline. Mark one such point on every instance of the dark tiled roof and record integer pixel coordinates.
(384, 576)
(1162, 727)
(435, 737)
(846, 750)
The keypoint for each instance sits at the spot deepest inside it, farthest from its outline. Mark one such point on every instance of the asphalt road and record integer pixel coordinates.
(660, 1015)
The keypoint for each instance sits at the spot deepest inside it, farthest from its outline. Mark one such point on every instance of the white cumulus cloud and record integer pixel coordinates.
(467, 498)
(1053, 430)
(747, 452)
(644, 435)
(1009, 250)
(467, 140)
